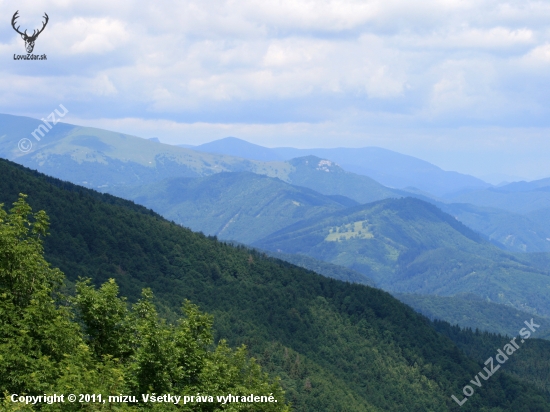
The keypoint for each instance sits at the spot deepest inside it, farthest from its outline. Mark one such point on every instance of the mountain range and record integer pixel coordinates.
(239, 206)
(518, 197)
(513, 215)
(256, 201)
(335, 345)
(390, 168)
(410, 246)
(102, 159)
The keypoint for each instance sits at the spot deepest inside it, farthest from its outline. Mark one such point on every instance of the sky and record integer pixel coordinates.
(462, 84)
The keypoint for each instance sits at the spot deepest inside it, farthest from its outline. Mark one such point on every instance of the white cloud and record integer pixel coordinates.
(92, 36)
(467, 38)
(191, 54)
(538, 56)
(327, 67)
(325, 15)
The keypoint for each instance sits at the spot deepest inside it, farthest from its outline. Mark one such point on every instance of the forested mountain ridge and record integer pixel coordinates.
(336, 346)
(410, 246)
(113, 162)
(472, 311)
(245, 207)
(239, 206)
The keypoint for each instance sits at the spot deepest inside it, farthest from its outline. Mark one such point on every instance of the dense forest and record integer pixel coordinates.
(93, 343)
(336, 346)
(474, 312)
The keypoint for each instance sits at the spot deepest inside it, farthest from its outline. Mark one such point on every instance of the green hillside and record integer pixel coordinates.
(107, 160)
(246, 207)
(239, 206)
(326, 177)
(471, 311)
(410, 246)
(108, 355)
(516, 232)
(324, 268)
(481, 346)
(99, 158)
(336, 346)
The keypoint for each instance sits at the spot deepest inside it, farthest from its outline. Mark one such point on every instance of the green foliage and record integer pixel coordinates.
(334, 345)
(106, 319)
(35, 335)
(471, 311)
(324, 268)
(41, 348)
(117, 350)
(528, 364)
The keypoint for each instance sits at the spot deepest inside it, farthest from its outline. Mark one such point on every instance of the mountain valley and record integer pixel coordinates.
(335, 345)
(312, 212)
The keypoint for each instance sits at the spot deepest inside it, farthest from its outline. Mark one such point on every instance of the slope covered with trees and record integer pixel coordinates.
(410, 246)
(113, 350)
(336, 346)
(471, 311)
(241, 206)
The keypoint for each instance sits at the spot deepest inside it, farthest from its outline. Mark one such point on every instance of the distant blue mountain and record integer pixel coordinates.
(240, 148)
(108, 160)
(385, 166)
(542, 184)
(395, 170)
(517, 197)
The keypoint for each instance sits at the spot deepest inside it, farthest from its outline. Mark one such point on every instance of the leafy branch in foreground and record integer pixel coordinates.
(94, 343)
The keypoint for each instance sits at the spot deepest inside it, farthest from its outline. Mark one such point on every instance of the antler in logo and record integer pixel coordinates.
(29, 40)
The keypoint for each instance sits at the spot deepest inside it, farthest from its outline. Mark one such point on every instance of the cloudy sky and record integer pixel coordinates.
(462, 84)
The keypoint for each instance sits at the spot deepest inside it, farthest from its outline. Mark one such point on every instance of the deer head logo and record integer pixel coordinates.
(29, 40)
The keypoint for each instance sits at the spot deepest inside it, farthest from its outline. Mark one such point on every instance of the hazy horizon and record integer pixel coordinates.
(492, 178)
